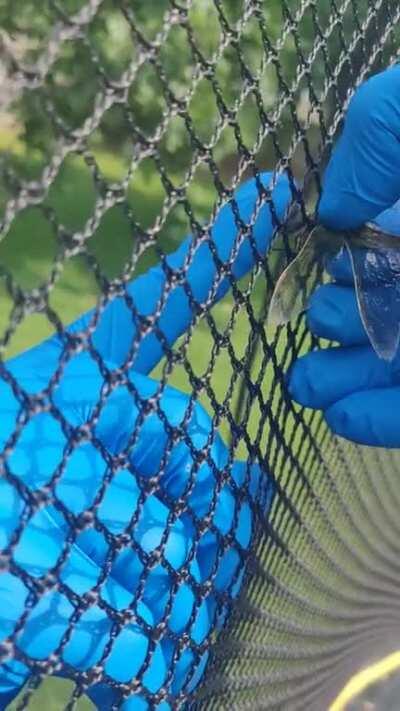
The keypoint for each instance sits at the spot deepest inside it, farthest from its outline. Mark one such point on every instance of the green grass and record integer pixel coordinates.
(52, 695)
(31, 246)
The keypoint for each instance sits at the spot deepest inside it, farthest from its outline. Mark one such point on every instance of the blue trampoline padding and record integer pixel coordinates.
(42, 457)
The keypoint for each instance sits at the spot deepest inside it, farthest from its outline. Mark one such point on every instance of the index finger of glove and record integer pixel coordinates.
(363, 176)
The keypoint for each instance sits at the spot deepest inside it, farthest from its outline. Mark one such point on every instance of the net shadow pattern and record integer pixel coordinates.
(175, 532)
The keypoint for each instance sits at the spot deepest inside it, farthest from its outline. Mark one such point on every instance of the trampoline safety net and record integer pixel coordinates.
(175, 532)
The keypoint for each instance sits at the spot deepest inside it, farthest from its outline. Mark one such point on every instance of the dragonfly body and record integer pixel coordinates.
(374, 254)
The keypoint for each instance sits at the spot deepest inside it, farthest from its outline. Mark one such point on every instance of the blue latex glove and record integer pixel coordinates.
(127, 525)
(358, 392)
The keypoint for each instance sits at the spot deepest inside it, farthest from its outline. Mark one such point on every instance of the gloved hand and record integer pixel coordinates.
(358, 392)
(124, 526)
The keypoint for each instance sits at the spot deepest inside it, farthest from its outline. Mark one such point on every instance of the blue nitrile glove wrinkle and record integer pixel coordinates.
(151, 521)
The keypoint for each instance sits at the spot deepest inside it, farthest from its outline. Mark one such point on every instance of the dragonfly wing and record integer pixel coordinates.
(296, 282)
(376, 273)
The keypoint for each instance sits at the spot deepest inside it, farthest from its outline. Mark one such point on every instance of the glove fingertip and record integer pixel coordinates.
(328, 208)
(300, 384)
(341, 209)
(333, 315)
(366, 417)
(323, 316)
(362, 178)
(338, 420)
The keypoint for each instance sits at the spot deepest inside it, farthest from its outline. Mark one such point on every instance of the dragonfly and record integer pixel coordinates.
(374, 256)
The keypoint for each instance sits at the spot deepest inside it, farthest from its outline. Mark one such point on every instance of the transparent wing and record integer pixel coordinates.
(376, 271)
(296, 283)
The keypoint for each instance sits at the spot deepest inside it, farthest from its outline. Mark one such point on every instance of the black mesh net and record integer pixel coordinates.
(175, 532)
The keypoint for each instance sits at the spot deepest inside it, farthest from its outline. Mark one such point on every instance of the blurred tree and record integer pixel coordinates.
(113, 40)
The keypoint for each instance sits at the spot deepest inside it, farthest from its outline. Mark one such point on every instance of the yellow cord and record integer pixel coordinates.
(365, 678)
